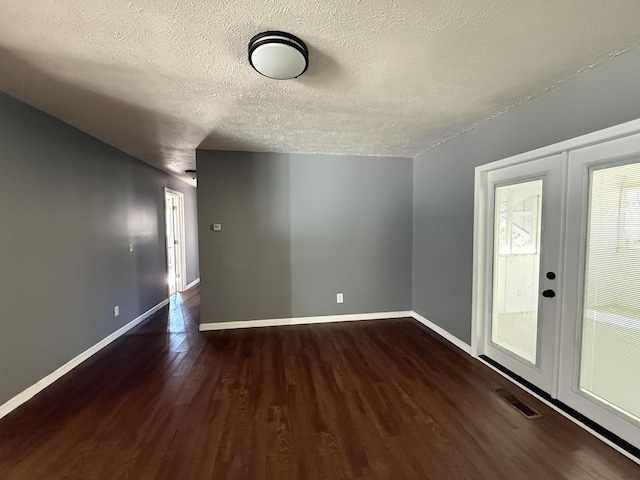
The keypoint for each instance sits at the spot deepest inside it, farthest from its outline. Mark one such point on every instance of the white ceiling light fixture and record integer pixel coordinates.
(278, 55)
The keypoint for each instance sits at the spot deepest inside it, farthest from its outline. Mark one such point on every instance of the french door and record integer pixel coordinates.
(562, 295)
(524, 227)
(600, 363)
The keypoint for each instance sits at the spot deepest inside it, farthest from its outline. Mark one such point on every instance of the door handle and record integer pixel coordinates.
(548, 293)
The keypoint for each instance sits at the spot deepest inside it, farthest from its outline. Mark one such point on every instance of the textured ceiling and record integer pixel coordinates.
(160, 78)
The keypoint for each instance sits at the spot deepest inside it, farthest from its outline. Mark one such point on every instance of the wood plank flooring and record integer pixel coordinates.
(383, 399)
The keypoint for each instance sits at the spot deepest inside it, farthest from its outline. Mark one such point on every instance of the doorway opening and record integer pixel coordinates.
(174, 228)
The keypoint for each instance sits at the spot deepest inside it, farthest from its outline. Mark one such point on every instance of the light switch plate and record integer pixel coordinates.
(216, 227)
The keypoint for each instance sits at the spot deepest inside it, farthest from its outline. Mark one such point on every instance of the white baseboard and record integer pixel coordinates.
(40, 385)
(277, 322)
(192, 284)
(443, 333)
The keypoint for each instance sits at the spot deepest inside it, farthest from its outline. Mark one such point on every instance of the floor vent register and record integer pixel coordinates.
(519, 405)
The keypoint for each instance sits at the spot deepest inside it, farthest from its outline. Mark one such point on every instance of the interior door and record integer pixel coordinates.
(525, 233)
(600, 365)
(170, 223)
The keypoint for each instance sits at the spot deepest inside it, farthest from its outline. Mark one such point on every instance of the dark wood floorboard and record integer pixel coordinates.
(383, 399)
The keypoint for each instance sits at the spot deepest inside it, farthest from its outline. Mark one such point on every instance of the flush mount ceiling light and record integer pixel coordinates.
(278, 55)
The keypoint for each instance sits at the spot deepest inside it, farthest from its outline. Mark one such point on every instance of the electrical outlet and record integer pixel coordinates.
(339, 298)
(116, 311)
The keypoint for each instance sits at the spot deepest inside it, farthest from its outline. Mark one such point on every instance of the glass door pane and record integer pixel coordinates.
(610, 347)
(516, 268)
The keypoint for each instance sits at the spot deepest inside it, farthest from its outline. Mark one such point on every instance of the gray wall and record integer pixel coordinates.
(70, 207)
(297, 229)
(444, 178)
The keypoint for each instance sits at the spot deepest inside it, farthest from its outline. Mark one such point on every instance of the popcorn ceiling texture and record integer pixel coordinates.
(160, 78)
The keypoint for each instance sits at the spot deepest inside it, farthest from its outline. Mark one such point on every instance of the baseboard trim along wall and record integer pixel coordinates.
(40, 385)
(443, 333)
(192, 284)
(278, 322)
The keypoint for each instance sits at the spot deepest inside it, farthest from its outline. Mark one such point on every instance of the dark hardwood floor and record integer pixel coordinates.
(377, 400)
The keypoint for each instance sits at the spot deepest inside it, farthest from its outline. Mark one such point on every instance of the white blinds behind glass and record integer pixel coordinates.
(610, 354)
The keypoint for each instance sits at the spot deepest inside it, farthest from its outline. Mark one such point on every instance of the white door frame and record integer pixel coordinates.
(181, 257)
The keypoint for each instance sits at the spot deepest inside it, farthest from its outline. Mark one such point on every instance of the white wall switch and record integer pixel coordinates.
(216, 227)
(339, 298)
(116, 311)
